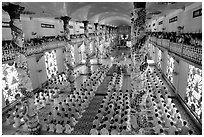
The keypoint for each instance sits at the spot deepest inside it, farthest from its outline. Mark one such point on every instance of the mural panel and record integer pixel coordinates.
(194, 90)
(72, 53)
(10, 82)
(159, 59)
(83, 54)
(51, 63)
(170, 68)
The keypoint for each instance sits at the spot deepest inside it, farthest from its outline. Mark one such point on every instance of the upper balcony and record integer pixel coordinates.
(39, 47)
(187, 52)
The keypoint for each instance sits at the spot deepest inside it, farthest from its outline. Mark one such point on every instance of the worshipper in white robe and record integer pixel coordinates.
(171, 130)
(96, 122)
(9, 119)
(162, 132)
(94, 130)
(59, 127)
(44, 125)
(17, 122)
(167, 121)
(114, 130)
(104, 131)
(178, 122)
(158, 127)
(68, 128)
(51, 126)
(185, 129)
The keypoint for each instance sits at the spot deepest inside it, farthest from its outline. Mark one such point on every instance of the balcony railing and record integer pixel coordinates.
(9, 54)
(191, 53)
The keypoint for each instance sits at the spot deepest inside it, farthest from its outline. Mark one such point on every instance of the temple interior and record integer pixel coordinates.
(101, 68)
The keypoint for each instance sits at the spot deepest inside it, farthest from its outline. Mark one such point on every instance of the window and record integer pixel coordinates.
(161, 22)
(197, 13)
(194, 90)
(170, 68)
(10, 82)
(47, 25)
(51, 63)
(71, 27)
(173, 19)
(5, 24)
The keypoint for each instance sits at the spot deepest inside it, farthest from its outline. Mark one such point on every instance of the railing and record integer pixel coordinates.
(31, 50)
(191, 53)
(10, 54)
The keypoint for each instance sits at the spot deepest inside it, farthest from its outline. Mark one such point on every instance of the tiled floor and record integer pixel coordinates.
(84, 126)
(9, 130)
(185, 116)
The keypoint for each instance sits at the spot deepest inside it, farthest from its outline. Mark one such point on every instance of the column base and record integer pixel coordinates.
(35, 130)
(34, 127)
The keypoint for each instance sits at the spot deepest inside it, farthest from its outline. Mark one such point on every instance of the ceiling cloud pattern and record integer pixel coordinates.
(112, 13)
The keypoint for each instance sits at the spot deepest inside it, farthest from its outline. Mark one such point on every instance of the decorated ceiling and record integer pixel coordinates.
(109, 13)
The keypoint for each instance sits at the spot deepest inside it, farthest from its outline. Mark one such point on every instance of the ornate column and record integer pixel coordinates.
(139, 15)
(103, 32)
(25, 84)
(112, 37)
(139, 66)
(69, 70)
(107, 33)
(132, 29)
(86, 39)
(66, 20)
(87, 46)
(103, 39)
(138, 50)
(107, 41)
(97, 41)
(96, 28)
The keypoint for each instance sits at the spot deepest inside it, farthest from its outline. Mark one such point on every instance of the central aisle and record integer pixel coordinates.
(84, 124)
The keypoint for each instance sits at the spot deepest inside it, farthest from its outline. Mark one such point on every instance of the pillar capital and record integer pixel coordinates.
(102, 25)
(96, 26)
(85, 22)
(65, 19)
(13, 10)
(139, 5)
(86, 28)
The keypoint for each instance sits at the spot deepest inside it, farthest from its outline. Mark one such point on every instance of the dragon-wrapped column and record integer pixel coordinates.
(87, 46)
(25, 85)
(69, 69)
(138, 54)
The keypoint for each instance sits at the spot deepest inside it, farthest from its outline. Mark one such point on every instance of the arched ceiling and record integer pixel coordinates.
(112, 13)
